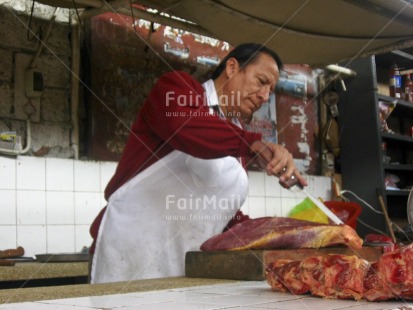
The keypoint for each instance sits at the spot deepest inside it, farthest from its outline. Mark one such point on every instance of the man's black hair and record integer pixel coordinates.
(246, 54)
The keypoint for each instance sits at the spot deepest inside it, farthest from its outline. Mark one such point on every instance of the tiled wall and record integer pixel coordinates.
(48, 204)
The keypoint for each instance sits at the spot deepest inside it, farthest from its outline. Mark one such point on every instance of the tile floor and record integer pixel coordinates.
(242, 295)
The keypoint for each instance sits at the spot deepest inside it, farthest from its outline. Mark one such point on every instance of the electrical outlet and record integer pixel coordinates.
(24, 107)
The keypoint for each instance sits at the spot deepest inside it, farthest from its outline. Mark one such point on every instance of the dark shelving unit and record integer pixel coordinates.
(367, 154)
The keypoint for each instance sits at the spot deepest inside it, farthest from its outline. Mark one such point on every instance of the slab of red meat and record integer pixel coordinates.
(343, 276)
(268, 233)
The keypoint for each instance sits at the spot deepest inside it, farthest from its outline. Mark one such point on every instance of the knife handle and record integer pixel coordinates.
(291, 182)
(19, 251)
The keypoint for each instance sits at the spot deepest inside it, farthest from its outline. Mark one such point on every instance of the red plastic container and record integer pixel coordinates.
(354, 210)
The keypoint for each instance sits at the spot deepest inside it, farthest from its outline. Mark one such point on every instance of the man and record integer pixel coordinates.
(181, 177)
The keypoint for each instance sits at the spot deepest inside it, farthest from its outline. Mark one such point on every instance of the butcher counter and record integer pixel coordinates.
(34, 273)
(177, 293)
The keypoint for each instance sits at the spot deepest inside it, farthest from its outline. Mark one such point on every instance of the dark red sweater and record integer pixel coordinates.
(175, 116)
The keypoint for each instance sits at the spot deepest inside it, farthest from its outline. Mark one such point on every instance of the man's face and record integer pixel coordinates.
(250, 86)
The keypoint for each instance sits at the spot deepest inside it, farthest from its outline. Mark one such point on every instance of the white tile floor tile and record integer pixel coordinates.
(37, 306)
(241, 295)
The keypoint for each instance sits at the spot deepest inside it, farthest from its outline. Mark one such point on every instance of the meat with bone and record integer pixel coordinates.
(391, 276)
(342, 276)
(268, 233)
(331, 276)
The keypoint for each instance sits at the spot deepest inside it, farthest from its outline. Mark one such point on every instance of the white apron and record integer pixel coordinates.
(163, 212)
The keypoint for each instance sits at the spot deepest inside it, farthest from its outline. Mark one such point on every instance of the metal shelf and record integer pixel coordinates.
(397, 192)
(397, 137)
(398, 167)
(361, 139)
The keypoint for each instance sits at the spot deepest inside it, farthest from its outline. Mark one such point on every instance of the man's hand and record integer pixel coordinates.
(277, 161)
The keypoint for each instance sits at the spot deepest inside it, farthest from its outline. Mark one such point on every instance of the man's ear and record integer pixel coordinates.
(231, 67)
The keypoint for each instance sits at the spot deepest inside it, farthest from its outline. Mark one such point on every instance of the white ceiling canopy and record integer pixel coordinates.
(315, 32)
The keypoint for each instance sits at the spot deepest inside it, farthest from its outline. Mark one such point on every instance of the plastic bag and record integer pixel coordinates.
(390, 181)
(308, 211)
(385, 109)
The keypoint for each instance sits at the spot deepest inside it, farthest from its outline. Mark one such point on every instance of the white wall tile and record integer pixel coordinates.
(7, 207)
(31, 173)
(300, 195)
(273, 206)
(318, 190)
(107, 170)
(87, 207)
(32, 238)
(256, 207)
(8, 237)
(272, 186)
(60, 208)
(311, 182)
(7, 173)
(288, 193)
(82, 237)
(287, 204)
(59, 174)
(61, 238)
(256, 183)
(87, 176)
(31, 207)
(328, 192)
(245, 207)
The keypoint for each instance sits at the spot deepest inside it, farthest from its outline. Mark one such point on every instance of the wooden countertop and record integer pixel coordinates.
(83, 290)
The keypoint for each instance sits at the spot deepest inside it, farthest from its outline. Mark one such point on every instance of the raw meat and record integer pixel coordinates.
(331, 276)
(268, 233)
(343, 276)
(391, 276)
